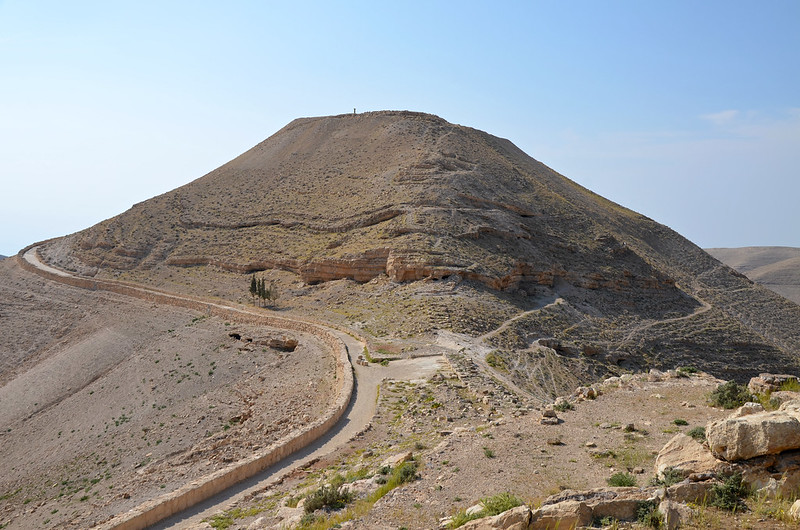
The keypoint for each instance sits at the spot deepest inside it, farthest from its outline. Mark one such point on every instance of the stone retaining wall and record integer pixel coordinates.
(199, 490)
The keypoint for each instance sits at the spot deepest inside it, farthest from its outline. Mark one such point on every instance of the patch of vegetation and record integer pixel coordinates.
(680, 421)
(621, 479)
(493, 505)
(769, 403)
(10, 494)
(605, 522)
(495, 361)
(698, 433)
(773, 508)
(728, 495)
(405, 472)
(686, 371)
(266, 293)
(790, 385)
(730, 395)
(647, 514)
(563, 406)
(488, 453)
(221, 521)
(367, 356)
(671, 476)
(500, 503)
(328, 496)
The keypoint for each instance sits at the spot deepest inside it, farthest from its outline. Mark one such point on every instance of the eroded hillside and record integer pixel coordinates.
(402, 224)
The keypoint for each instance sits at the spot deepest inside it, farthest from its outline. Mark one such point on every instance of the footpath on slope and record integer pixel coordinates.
(350, 413)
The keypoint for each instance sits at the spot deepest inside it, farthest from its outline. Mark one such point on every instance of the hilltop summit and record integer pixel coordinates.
(409, 198)
(398, 193)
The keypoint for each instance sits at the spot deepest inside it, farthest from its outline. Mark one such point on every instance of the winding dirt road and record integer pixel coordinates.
(356, 418)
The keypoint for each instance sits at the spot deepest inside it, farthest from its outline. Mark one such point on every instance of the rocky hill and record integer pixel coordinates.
(777, 268)
(425, 234)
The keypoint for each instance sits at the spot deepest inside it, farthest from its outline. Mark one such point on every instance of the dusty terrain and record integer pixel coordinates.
(108, 401)
(468, 450)
(461, 231)
(777, 268)
(427, 239)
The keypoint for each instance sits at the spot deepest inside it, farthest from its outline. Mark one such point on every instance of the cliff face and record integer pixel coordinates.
(408, 197)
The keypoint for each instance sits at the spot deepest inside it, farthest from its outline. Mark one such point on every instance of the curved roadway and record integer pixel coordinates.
(356, 418)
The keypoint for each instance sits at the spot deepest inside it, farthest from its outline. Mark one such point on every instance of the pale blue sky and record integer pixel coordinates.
(686, 111)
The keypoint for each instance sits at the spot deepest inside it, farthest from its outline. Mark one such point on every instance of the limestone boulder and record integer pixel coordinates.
(566, 514)
(782, 396)
(676, 515)
(752, 435)
(767, 383)
(617, 503)
(686, 455)
(772, 475)
(395, 460)
(289, 516)
(360, 488)
(514, 519)
(747, 409)
(694, 492)
(794, 511)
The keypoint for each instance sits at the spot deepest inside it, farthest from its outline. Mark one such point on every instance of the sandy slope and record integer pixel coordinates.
(107, 401)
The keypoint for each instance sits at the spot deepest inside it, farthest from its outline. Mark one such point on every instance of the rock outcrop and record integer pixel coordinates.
(684, 455)
(518, 518)
(743, 436)
(764, 447)
(768, 383)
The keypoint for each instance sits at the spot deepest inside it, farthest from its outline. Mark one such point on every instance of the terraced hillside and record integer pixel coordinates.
(420, 233)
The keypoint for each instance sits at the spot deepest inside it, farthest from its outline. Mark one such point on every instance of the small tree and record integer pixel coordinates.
(266, 293)
(253, 287)
(260, 290)
(272, 291)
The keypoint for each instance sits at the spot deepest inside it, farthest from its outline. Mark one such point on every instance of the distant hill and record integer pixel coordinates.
(777, 268)
(409, 228)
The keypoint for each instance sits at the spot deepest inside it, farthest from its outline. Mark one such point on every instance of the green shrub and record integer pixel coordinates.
(790, 385)
(292, 501)
(728, 495)
(405, 472)
(488, 452)
(698, 433)
(460, 518)
(686, 371)
(680, 421)
(621, 479)
(495, 361)
(308, 519)
(730, 395)
(328, 496)
(499, 503)
(563, 406)
(493, 505)
(671, 476)
(647, 514)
